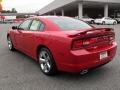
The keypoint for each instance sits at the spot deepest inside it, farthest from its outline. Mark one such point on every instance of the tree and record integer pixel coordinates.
(3, 11)
(20, 16)
(8, 11)
(13, 10)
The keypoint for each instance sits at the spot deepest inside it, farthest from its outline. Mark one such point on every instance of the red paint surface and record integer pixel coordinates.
(68, 57)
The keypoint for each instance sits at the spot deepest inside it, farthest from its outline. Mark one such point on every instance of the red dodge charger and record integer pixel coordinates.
(63, 44)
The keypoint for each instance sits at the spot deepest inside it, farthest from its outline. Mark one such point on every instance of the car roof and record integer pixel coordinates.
(47, 22)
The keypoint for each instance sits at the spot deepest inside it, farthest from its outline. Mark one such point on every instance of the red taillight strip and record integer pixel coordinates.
(80, 43)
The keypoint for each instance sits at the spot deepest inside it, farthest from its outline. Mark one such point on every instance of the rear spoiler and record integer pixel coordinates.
(84, 32)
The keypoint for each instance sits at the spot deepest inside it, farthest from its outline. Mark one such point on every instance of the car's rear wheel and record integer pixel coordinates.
(92, 21)
(103, 23)
(10, 44)
(46, 61)
(114, 23)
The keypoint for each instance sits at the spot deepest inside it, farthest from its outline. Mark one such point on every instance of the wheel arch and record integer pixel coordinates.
(44, 46)
(54, 64)
(39, 47)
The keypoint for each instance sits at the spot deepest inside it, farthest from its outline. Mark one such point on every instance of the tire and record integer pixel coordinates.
(10, 44)
(46, 61)
(92, 22)
(114, 23)
(103, 23)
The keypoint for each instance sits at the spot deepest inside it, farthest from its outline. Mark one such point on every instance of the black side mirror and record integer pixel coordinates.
(14, 27)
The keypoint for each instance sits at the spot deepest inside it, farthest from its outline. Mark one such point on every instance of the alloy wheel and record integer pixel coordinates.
(45, 62)
(10, 45)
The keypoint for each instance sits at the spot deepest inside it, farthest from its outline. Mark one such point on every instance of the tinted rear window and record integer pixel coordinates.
(66, 23)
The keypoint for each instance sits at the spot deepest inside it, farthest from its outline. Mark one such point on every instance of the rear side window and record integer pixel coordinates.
(108, 18)
(35, 25)
(67, 23)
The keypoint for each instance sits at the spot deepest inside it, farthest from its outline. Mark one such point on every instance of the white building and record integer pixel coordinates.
(80, 8)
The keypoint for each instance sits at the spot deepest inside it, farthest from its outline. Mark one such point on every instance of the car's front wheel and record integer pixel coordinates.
(46, 61)
(10, 44)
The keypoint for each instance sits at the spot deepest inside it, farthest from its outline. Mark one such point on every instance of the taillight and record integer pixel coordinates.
(89, 41)
(78, 44)
(82, 43)
(111, 39)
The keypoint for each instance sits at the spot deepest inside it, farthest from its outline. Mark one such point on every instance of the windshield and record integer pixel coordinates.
(66, 23)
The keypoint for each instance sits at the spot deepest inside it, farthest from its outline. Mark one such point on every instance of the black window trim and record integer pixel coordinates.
(40, 25)
(31, 24)
(28, 25)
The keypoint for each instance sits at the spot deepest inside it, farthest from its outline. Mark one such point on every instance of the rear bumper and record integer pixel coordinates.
(82, 60)
(99, 22)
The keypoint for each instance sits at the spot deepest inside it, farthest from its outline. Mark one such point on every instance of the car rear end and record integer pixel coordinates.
(81, 46)
(118, 20)
(90, 49)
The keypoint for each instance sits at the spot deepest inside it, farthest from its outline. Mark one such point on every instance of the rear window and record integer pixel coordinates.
(67, 23)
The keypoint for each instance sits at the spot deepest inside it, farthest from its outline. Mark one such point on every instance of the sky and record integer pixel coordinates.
(25, 5)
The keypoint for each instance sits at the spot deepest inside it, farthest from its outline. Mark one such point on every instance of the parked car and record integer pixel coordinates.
(63, 44)
(88, 20)
(18, 20)
(9, 19)
(117, 19)
(105, 20)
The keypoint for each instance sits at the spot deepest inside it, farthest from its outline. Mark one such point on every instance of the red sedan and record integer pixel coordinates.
(63, 43)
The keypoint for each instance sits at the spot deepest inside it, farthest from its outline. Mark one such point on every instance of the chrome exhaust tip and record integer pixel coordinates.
(83, 72)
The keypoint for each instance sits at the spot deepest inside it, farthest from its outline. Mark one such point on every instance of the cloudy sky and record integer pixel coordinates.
(25, 5)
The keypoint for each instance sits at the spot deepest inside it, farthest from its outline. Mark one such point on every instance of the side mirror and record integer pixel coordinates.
(14, 27)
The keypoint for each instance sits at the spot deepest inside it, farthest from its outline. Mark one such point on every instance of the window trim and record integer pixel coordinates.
(31, 24)
(28, 25)
(40, 25)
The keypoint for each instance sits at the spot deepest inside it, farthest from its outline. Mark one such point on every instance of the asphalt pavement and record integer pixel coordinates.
(19, 72)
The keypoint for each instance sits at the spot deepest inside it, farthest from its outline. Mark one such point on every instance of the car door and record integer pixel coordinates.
(19, 36)
(106, 20)
(30, 41)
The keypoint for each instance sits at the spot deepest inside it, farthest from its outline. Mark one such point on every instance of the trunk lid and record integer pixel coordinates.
(93, 39)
